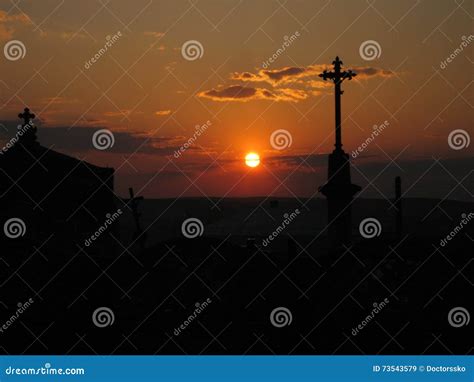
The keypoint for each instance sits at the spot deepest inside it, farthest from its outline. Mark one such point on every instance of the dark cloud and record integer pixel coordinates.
(368, 71)
(244, 94)
(284, 73)
(276, 76)
(79, 139)
(247, 77)
(231, 93)
(313, 160)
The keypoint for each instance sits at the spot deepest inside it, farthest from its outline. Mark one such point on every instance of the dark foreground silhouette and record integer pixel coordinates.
(237, 282)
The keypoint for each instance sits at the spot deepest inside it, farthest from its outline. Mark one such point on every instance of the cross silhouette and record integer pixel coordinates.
(139, 234)
(26, 116)
(338, 76)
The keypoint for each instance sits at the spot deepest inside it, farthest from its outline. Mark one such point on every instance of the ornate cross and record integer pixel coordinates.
(338, 76)
(26, 116)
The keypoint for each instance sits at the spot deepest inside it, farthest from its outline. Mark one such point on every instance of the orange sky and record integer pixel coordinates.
(152, 98)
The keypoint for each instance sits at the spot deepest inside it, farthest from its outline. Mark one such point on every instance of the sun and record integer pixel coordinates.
(252, 159)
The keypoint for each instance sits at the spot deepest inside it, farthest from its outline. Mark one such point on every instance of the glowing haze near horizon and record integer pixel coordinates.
(151, 98)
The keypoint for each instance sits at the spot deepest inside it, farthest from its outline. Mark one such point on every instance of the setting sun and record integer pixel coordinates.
(252, 159)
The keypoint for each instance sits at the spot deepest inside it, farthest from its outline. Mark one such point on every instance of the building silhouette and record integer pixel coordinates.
(55, 195)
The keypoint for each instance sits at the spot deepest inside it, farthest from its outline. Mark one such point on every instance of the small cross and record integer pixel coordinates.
(134, 199)
(27, 117)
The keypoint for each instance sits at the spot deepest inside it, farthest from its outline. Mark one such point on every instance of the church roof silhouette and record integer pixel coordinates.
(42, 186)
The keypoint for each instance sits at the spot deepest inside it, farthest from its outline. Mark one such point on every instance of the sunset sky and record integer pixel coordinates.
(151, 97)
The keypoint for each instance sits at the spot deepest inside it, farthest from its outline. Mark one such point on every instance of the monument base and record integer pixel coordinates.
(339, 192)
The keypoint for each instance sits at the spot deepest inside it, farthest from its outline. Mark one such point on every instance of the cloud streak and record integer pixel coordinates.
(241, 93)
(279, 79)
(7, 22)
(292, 74)
(162, 112)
